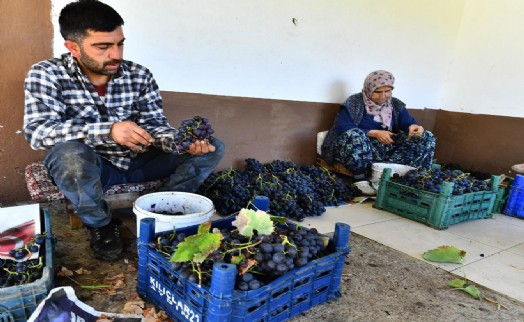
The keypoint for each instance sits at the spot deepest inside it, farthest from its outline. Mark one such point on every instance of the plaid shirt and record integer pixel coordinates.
(62, 105)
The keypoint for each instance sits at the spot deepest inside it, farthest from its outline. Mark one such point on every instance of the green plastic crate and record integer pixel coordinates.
(500, 200)
(502, 195)
(437, 210)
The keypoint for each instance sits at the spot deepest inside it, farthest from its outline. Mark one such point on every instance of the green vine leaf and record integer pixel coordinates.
(248, 220)
(197, 247)
(279, 219)
(445, 254)
(237, 259)
(462, 285)
(457, 283)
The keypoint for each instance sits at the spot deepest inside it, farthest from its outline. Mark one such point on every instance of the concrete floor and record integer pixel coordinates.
(494, 247)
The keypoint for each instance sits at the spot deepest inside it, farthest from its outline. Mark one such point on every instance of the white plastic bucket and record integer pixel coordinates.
(378, 168)
(162, 206)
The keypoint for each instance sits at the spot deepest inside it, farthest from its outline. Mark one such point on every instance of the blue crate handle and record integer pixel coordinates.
(5, 316)
(341, 236)
(221, 290)
(261, 203)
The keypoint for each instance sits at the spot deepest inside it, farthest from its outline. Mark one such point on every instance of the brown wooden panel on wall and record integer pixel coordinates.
(425, 117)
(25, 39)
(479, 142)
(263, 129)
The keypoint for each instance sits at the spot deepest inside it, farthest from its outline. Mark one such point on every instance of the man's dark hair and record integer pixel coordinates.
(78, 17)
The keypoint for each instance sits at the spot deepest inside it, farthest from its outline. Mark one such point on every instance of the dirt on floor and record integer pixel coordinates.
(378, 283)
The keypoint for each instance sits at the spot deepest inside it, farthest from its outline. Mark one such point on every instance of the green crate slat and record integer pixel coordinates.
(435, 210)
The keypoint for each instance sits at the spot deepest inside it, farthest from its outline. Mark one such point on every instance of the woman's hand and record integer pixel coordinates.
(384, 137)
(201, 147)
(415, 130)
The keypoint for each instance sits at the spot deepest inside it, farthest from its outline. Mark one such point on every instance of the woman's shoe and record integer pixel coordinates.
(365, 187)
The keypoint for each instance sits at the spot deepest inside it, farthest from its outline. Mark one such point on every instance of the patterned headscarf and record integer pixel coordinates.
(382, 113)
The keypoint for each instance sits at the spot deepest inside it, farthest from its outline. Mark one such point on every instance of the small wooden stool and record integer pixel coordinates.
(320, 162)
(337, 166)
(42, 189)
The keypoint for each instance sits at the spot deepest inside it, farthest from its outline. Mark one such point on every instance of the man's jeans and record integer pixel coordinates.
(82, 175)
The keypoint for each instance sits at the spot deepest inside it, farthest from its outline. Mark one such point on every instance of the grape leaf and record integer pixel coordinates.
(197, 247)
(237, 259)
(445, 254)
(249, 220)
(457, 283)
(472, 290)
(279, 220)
(250, 263)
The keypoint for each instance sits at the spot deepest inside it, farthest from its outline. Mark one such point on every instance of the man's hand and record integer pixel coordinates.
(384, 137)
(415, 130)
(129, 134)
(201, 147)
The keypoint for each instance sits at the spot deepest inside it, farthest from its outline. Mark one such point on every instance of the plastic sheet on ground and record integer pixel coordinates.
(62, 305)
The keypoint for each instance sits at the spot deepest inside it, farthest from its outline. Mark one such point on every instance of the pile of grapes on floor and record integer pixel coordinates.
(295, 191)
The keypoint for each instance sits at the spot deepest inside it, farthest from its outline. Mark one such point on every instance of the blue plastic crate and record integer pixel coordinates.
(515, 204)
(289, 295)
(17, 303)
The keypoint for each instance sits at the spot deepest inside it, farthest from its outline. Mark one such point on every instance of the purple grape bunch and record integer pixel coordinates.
(20, 270)
(191, 130)
(295, 191)
(270, 256)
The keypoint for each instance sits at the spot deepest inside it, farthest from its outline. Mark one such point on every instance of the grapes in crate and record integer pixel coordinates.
(431, 180)
(20, 270)
(261, 250)
(191, 130)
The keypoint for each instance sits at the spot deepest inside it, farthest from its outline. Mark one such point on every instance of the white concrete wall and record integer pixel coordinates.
(253, 49)
(487, 70)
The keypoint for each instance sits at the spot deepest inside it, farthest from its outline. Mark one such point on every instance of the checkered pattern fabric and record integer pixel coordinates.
(42, 189)
(62, 105)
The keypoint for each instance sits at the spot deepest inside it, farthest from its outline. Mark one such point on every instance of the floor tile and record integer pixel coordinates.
(502, 272)
(510, 219)
(495, 232)
(413, 238)
(353, 215)
(519, 250)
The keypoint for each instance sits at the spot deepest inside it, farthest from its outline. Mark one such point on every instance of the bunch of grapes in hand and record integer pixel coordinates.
(191, 130)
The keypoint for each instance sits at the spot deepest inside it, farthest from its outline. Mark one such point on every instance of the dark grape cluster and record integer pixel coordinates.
(295, 191)
(18, 271)
(431, 180)
(190, 130)
(410, 148)
(479, 175)
(263, 258)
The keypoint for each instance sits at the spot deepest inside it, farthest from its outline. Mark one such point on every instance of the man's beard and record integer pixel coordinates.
(94, 67)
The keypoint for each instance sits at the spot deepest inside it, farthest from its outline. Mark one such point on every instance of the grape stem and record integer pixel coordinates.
(89, 287)
(247, 245)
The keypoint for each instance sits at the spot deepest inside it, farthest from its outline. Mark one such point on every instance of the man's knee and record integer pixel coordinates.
(71, 147)
(70, 153)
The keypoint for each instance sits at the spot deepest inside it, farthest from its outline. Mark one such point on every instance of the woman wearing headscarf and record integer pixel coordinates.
(373, 126)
